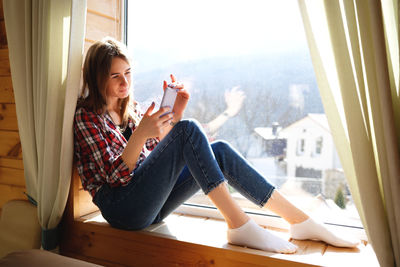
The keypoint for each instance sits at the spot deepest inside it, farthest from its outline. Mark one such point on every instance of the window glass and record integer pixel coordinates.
(318, 145)
(246, 64)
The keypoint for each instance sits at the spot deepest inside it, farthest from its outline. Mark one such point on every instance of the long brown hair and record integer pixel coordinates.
(96, 72)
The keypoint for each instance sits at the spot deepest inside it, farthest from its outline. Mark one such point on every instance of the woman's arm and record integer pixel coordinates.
(133, 149)
(151, 126)
(234, 100)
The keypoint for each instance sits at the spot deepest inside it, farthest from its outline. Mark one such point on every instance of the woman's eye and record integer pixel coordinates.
(113, 77)
(127, 73)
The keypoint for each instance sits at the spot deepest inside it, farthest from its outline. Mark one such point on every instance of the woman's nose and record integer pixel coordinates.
(124, 80)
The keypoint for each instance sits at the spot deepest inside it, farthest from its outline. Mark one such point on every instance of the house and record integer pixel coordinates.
(310, 149)
(307, 151)
(273, 142)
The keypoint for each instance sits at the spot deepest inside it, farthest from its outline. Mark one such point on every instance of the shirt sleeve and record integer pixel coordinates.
(151, 143)
(98, 162)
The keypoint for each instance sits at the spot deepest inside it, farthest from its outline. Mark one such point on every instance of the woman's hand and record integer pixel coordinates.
(154, 125)
(181, 101)
(234, 100)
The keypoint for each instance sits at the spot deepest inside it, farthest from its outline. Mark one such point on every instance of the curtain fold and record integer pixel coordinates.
(45, 39)
(354, 49)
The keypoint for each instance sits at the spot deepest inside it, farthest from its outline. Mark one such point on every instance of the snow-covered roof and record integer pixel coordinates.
(266, 133)
(318, 118)
(321, 119)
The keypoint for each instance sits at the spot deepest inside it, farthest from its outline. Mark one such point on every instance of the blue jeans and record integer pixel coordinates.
(181, 164)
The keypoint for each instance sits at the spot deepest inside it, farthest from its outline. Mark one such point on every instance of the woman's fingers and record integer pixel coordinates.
(161, 111)
(165, 85)
(183, 93)
(173, 78)
(166, 119)
(176, 84)
(181, 102)
(150, 109)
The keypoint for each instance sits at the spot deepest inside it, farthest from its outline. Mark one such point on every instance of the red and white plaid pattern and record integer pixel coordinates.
(98, 148)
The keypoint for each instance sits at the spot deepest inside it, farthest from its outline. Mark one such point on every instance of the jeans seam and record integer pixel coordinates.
(267, 197)
(202, 170)
(213, 186)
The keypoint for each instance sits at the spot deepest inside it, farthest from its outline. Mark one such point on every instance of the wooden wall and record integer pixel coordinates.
(12, 182)
(103, 19)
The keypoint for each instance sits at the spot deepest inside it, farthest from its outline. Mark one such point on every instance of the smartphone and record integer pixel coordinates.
(169, 97)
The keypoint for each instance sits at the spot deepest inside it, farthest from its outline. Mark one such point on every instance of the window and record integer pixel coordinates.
(318, 145)
(301, 143)
(231, 49)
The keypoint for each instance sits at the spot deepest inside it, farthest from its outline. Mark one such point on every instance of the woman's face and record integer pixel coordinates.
(119, 82)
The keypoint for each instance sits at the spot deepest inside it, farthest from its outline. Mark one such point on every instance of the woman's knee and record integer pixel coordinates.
(221, 146)
(190, 125)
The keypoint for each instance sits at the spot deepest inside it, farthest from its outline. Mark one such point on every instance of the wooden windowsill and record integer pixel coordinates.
(182, 240)
(185, 240)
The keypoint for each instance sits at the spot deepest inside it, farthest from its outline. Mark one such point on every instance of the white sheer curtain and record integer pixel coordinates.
(354, 46)
(45, 40)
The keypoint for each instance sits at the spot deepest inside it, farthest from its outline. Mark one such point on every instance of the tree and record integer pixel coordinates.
(340, 199)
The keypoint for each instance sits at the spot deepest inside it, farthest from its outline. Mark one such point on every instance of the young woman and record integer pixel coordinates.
(134, 188)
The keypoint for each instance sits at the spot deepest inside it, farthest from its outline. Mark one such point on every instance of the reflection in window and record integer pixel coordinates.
(246, 64)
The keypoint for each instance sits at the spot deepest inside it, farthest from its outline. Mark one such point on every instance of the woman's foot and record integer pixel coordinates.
(312, 229)
(254, 236)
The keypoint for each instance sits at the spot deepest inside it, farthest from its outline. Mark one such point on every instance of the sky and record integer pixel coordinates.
(185, 30)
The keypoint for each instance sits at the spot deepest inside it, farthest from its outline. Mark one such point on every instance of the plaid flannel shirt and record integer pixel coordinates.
(98, 148)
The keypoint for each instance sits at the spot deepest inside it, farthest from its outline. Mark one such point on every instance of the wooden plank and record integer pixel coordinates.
(140, 248)
(10, 145)
(80, 201)
(1, 10)
(309, 251)
(4, 63)
(110, 8)
(181, 228)
(9, 192)
(10, 176)
(363, 255)
(8, 117)
(86, 205)
(86, 47)
(113, 18)
(6, 90)
(11, 163)
(98, 27)
(3, 36)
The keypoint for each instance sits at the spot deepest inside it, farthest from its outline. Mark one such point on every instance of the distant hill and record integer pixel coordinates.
(286, 80)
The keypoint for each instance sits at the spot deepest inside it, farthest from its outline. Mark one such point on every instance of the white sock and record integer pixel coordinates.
(252, 235)
(311, 229)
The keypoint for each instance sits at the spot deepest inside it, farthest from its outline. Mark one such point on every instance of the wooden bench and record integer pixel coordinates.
(182, 240)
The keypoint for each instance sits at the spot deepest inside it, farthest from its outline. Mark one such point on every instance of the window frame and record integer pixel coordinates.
(267, 219)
